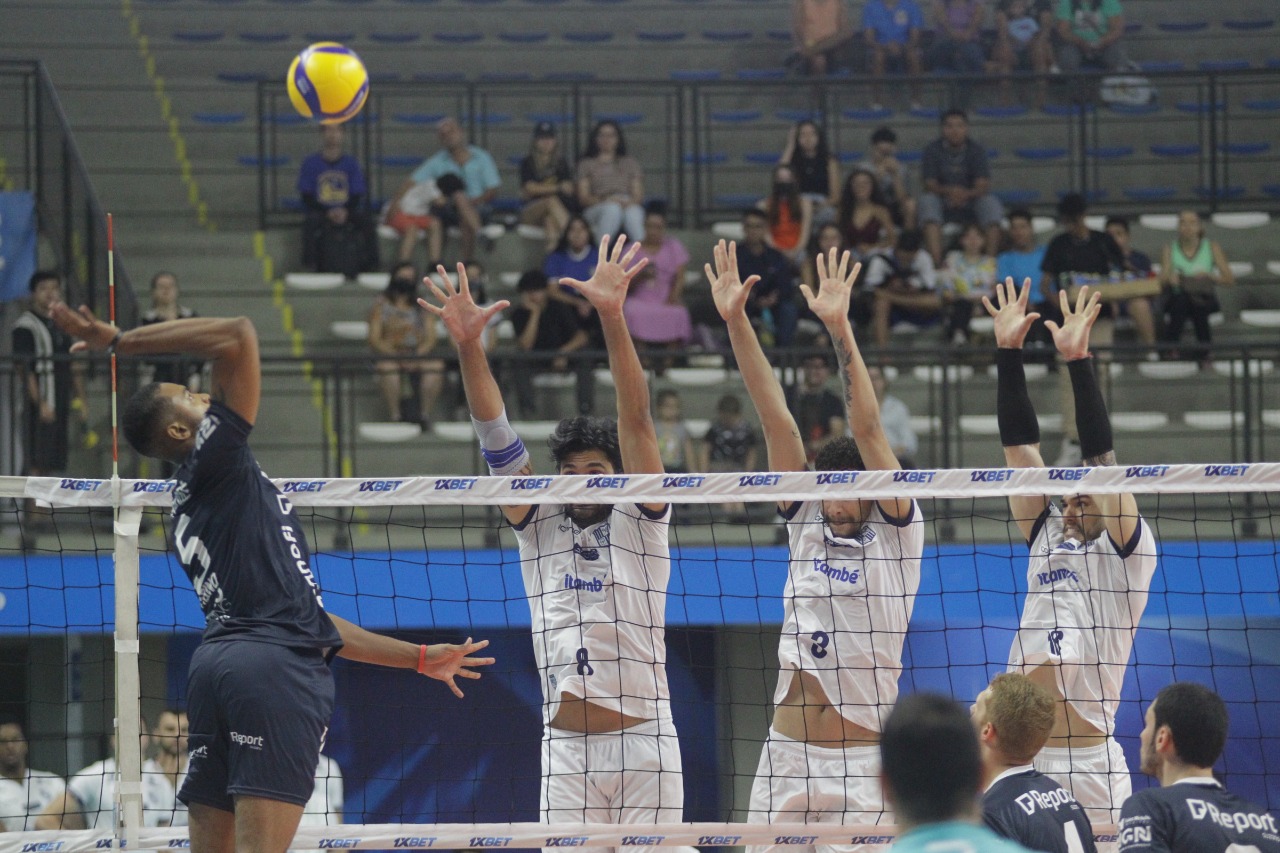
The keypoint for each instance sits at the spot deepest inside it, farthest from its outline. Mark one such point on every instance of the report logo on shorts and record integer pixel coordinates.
(72, 485)
(606, 483)
(1225, 470)
(755, 481)
(490, 841)
(455, 484)
(1000, 475)
(381, 485)
(1068, 474)
(251, 741)
(684, 481)
(1146, 471)
(159, 487)
(418, 841)
(198, 752)
(530, 483)
(303, 486)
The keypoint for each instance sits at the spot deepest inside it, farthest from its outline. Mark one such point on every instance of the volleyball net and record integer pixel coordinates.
(99, 623)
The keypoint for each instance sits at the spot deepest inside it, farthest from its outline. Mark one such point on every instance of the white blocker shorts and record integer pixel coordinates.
(801, 783)
(1097, 776)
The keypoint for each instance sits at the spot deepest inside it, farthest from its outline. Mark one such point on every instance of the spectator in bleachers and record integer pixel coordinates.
(611, 183)
(957, 183)
(891, 29)
(968, 274)
(892, 175)
(729, 446)
(1023, 34)
(904, 283)
(957, 36)
(675, 444)
(411, 215)
(468, 180)
(830, 237)
(24, 791)
(1138, 265)
(895, 418)
(819, 411)
(1193, 266)
(790, 214)
(865, 220)
(771, 304)
(1090, 33)
(655, 311)
(1021, 261)
(816, 170)
(401, 336)
(337, 230)
(165, 307)
(544, 325)
(821, 30)
(575, 257)
(546, 185)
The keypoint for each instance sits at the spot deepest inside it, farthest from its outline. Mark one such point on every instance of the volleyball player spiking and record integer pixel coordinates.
(852, 577)
(1090, 566)
(252, 749)
(595, 575)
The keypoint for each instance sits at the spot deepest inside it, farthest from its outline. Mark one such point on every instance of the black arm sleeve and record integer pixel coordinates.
(1014, 412)
(1092, 421)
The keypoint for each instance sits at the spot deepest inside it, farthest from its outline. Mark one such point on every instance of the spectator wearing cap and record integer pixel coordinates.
(546, 185)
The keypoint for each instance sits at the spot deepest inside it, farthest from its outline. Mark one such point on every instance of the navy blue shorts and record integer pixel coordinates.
(259, 713)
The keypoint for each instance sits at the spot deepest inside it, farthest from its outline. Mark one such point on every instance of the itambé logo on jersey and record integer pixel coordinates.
(836, 573)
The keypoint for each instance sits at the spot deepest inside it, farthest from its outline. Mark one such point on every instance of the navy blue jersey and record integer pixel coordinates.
(1195, 815)
(240, 543)
(1035, 811)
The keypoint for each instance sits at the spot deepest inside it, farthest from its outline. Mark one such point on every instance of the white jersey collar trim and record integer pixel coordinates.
(1199, 780)
(1012, 771)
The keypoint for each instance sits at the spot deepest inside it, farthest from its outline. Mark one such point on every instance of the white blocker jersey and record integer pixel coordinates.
(598, 599)
(22, 802)
(1084, 602)
(847, 603)
(94, 788)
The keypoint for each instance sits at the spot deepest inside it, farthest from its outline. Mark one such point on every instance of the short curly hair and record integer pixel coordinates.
(141, 418)
(839, 454)
(575, 435)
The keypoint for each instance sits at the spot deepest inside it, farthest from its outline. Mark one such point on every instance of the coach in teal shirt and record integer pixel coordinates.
(931, 770)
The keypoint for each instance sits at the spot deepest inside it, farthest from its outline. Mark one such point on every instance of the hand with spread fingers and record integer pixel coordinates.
(729, 291)
(447, 661)
(1012, 322)
(1072, 337)
(607, 287)
(91, 333)
(462, 317)
(835, 287)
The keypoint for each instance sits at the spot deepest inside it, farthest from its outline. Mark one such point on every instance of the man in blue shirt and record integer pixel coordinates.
(892, 32)
(932, 776)
(334, 197)
(259, 689)
(467, 178)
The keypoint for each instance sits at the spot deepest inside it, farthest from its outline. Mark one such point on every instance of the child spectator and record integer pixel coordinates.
(968, 274)
(409, 214)
(790, 214)
(815, 168)
(730, 446)
(674, 442)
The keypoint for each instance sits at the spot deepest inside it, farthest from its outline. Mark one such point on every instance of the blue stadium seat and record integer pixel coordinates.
(572, 76)
(1176, 149)
(1265, 105)
(218, 118)
(761, 73)
(1016, 197)
(288, 119)
(244, 76)
(545, 2)
(334, 35)
(505, 77)
(993, 153)
(695, 75)
(1158, 65)
(524, 38)
(861, 114)
(395, 38)
(515, 160)
(199, 36)
(709, 159)
(1225, 65)
(417, 118)
(490, 119)
(851, 156)
(553, 118)
(588, 37)
(928, 113)
(1272, 190)
(606, 1)
(1065, 110)
(1110, 152)
(1132, 28)
(1135, 109)
(761, 158)
(384, 76)
(661, 36)
(254, 161)
(1223, 193)
(291, 203)
(1245, 149)
(1183, 26)
(291, 2)
(264, 38)
(439, 76)
(458, 38)
(910, 156)
(1091, 196)
(734, 116)
(400, 161)
(735, 201)
(1040, 153)
(1199, 107)
(1249, 26)
(1150, 193)
(779, 35)
(1013, 111)
(798, 115)
(727, 35)
(507, 204)
(622, 119)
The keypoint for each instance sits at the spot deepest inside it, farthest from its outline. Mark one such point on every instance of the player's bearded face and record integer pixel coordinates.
(1080, 519)
(1147, 750)
(845, 518)
(591, 463)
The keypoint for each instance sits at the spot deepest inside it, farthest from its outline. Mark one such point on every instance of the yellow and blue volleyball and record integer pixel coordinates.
(327, 82)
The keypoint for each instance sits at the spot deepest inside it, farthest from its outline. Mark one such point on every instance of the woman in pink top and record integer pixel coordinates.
(655, 310)
(956, 43)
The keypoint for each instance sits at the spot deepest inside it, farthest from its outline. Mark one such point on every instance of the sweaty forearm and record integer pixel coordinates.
(860, 406)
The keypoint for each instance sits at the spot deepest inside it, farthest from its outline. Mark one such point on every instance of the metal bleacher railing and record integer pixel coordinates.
(40, 156)
(1204, 140)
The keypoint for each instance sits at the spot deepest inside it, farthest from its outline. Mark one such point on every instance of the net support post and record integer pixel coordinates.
(128, 680)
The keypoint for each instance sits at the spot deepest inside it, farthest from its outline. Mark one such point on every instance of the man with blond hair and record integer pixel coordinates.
(1014, 717)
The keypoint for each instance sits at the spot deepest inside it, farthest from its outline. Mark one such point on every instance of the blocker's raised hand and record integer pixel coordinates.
(1072, 337)
(462, 317)
(1012, 322)
(728, 289)
(606, 290)
(835, 286)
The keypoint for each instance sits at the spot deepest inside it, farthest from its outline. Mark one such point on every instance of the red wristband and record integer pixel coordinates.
(422, 659)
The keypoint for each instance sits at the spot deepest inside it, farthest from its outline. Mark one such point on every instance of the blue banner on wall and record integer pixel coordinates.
(17, 244)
